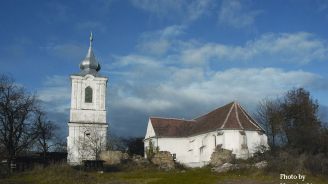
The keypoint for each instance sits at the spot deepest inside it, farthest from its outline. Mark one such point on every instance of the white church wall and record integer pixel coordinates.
(196, 151)
(202, 147)
(177, 146)
(232, 141)
(254, 140)
(149, 134)
(85, 141)
(150, 130)
(87, 116)
(98, 85)
(82, 112)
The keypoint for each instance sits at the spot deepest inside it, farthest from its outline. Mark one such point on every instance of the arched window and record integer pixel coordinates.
(88, 95)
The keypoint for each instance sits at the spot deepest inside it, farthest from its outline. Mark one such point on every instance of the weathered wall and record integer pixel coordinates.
(150, 130)
(79, 144)
(88, 112)
(254, 139)
(195, 151)
(113, 157)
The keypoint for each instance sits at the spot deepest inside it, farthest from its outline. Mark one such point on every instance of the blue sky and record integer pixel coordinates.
(166, 57)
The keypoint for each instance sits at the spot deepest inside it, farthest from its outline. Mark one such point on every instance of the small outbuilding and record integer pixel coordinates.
(192, 142)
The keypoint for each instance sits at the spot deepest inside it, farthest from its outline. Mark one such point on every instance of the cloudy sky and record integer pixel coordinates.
(166, 57)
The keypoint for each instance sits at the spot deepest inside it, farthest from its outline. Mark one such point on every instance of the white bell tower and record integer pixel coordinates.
(87, 123)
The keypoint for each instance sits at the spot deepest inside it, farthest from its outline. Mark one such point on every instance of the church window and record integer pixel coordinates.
(88, 95)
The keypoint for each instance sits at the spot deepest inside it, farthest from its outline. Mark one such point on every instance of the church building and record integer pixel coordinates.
(192, 142)
(87, 123)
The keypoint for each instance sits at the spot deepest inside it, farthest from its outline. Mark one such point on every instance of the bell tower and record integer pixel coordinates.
(87, 123)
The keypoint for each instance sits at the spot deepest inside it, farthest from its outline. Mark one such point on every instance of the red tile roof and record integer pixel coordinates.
(230, 116)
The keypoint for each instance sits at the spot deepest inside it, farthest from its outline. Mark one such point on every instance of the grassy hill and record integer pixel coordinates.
(63, 174)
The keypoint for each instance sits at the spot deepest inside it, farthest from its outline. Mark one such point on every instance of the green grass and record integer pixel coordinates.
(63, 174)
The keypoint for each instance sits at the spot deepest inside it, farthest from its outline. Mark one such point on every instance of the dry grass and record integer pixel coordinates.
(64, 174)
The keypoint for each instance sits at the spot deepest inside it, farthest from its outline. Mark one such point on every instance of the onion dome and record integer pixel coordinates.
(89, 64)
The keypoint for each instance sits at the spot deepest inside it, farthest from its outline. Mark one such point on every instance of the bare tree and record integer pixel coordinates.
(269, 114)
(294, 119)
(16, 114)
(45, 133)
(116, 143)
(61, 144)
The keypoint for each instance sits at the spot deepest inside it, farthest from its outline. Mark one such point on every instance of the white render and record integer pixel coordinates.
(88, 112)
(195, 151)
(87, 123)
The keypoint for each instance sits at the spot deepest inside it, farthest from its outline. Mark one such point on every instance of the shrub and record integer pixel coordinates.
(317, 164)
(291, 161)
(151, 150)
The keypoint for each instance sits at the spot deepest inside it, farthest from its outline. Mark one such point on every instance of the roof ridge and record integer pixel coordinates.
(211, 111)
(226, 119)
(250, 120)
(172, 118)
(237, 116)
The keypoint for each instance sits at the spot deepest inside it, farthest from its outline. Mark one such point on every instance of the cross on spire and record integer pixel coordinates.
(91, 39)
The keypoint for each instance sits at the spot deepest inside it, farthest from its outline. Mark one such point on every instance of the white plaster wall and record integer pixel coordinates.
(98, 85)
(196, 151)
(87, 116)
(175, 146)
(254, 140)
(201, 147)
(150, 130)
(188, 149)
(232, 141)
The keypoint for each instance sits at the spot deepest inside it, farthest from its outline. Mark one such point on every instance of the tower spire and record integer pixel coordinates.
(89, 64)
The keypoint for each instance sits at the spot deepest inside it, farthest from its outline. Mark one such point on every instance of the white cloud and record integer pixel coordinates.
(159, 42)
(298, 48)
(171, 31)
(236, 14)
(147, 87)
(180, 82)
(146, 105)
(161, 88)
(156, 47)
(184, 10)
(293, 48)
(56, 93)
(173, 83)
